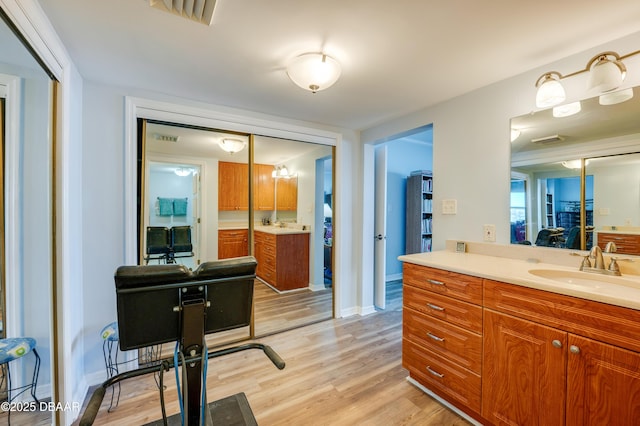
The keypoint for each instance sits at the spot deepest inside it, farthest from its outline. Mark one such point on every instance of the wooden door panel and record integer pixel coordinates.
(523, 379)
(603, 384)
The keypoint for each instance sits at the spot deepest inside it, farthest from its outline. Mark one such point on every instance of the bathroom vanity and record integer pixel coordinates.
(283, 257)
(507, 341)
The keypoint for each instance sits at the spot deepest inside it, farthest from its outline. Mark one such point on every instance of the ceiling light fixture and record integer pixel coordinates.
(606, 73)
(314, 71)
(574, 164)
(617, 97)
(182, 171)
(231, 145)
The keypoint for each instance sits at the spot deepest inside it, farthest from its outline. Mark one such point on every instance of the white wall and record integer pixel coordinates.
(471, 143)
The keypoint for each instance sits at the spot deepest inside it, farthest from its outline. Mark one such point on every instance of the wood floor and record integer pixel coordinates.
(339, 372)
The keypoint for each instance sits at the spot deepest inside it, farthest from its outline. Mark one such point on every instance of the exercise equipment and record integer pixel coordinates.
(169, 303)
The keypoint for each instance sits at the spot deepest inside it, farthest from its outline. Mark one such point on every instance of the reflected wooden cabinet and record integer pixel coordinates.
(233, 243)
(233, 186)
(283, 259)
(264, 187)
(625, 243)
(287, 194)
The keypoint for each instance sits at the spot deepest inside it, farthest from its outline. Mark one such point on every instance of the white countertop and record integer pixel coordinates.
(621, 291)
(279, 231)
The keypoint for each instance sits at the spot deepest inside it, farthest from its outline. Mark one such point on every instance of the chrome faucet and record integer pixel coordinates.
(598, 263)
(596, 255)
(610, 247)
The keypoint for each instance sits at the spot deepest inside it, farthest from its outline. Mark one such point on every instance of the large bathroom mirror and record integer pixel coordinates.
(201, 182)
(26, 279)
(572, 170)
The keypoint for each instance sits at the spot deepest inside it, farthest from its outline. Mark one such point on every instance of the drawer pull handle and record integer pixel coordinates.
(434, 373)
(434, 337)
(435, 282)
(435, 307)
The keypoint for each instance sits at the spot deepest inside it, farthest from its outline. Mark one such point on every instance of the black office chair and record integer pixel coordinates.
(181, 239)
(573, 239)
(158, 243)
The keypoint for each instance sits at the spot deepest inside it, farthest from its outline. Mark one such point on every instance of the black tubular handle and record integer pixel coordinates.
(93, 406)
(274, 357)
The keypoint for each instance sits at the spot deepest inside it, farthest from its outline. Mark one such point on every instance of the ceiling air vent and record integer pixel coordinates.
(165, 138)
(548, 139)
(195, 10)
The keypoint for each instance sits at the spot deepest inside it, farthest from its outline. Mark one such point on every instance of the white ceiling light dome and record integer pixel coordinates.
(550, 91)
(232, 145)
(606, 74)
(314, 71)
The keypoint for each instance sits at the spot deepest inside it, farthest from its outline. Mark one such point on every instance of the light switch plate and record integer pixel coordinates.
(449, 206)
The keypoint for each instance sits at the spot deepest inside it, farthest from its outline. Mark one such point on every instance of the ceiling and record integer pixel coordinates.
(397, 56)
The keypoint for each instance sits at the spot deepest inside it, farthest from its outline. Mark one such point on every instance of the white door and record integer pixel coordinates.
(195, 220)
(380, 227)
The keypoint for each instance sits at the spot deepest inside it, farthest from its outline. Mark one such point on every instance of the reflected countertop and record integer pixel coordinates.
(621, 291)
(269, 229)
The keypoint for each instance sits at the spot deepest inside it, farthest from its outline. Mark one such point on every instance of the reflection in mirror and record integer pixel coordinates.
(26, 255)
(616, 206)
(551, 201)
(293, 240)
(292, 236)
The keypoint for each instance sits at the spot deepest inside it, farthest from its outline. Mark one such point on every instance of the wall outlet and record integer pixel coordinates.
(489, 232)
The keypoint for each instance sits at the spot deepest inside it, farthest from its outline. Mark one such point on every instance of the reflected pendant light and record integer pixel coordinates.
(314, 71)
(232, 145)
(550, 90)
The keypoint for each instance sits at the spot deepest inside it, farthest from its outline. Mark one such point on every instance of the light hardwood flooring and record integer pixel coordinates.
(339, 372)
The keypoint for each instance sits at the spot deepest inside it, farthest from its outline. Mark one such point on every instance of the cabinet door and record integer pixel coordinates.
(603, 384)
(264, 184)
(287, 194)
(524, 373)
(232, 243)
(233, 186)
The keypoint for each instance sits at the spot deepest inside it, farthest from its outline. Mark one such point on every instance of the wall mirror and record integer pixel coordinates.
(26, 288)
(231, 195)
(572, 175)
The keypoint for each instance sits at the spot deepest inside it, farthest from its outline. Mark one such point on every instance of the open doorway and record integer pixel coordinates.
(396, 160)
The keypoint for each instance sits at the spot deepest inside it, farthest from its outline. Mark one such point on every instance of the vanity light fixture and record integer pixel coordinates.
(231, 145)
(314, 71)
(566, 110)
(281, 172)
(616, 97)
(606, 73)
(550, 90)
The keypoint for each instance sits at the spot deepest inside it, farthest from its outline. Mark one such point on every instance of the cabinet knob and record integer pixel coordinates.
(557, 343)
(574, 349)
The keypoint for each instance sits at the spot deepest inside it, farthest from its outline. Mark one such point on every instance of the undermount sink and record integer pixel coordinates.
(583, 278)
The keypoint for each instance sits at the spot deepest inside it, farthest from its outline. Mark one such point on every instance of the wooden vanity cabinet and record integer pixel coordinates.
(625, 243)
(442, 333)
(283, 259)
(544, 358)
(540, 367)
(233, 243)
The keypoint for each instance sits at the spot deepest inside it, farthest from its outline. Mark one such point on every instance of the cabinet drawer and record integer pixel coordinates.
(600, 321)
(441, 375)
(625, 243)
(445, 308)
(459, 286)
(457, 344)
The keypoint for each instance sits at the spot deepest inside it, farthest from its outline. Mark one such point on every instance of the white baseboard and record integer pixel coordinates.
(444, 402)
